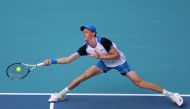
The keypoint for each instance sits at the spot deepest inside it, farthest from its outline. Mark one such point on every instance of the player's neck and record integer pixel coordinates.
(92, 42)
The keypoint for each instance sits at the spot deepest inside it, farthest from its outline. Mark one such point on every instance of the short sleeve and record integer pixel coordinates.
(82, 50)
(106, 43)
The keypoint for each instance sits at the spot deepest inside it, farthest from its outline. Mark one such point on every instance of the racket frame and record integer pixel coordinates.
(27, 65)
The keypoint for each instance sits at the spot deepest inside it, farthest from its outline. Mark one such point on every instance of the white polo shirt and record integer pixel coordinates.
(103, 46)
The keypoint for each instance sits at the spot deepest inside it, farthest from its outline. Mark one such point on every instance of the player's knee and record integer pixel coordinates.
(140, 83)
(87, 75)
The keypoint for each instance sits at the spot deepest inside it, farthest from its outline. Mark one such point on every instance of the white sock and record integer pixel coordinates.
(167, 93)
(64, 91)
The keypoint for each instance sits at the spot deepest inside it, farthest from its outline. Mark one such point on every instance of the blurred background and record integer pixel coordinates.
(154, 35)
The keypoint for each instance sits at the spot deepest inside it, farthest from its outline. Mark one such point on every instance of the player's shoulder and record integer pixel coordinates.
(103, 39)
(82, 50)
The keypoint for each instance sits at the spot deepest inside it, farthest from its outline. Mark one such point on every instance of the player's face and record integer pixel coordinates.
(87, 34)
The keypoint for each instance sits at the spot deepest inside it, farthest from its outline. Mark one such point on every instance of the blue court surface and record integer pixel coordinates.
(90, 101)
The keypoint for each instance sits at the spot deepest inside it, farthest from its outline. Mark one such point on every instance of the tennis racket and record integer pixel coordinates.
(17, 71)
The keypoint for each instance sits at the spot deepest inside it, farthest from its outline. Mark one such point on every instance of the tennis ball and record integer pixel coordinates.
(18, 69)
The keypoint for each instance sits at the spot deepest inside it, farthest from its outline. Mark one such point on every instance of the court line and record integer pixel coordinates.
(92, 94)
(51, 106)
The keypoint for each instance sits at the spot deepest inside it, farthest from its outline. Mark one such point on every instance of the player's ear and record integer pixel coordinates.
(94, 33)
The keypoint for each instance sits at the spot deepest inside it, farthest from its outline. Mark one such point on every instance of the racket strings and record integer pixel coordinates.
(14, 74)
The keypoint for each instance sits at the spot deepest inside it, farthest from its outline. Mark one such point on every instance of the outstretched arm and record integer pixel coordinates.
(62, 60)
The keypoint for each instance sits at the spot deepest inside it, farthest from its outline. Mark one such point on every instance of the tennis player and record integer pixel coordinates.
(110, 57)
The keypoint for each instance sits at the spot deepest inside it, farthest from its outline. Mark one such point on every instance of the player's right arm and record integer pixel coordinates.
(65, 60)
(62, 60)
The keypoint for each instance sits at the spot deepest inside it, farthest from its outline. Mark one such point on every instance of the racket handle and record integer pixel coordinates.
(40, 64)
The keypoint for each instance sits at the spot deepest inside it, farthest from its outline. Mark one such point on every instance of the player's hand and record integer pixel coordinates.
(47, 62)
(95, 54)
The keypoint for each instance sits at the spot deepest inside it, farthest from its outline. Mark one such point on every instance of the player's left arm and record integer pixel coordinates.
(113, 54)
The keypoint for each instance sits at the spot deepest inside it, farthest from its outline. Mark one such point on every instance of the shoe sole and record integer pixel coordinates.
(59, 100)
(180, 99)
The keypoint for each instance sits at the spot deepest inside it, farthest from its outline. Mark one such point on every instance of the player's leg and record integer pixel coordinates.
(132, 75)
(92, 71)
(126, 70)
(175, 97)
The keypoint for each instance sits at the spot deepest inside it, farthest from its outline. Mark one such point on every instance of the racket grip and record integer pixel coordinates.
(40, 64)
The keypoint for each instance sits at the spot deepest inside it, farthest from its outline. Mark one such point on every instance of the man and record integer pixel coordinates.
(110, 58)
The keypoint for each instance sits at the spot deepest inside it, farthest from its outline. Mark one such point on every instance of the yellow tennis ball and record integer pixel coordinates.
(18, 69)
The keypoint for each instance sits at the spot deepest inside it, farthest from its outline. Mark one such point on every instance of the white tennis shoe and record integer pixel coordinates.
(176, 98)
(57, 97)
